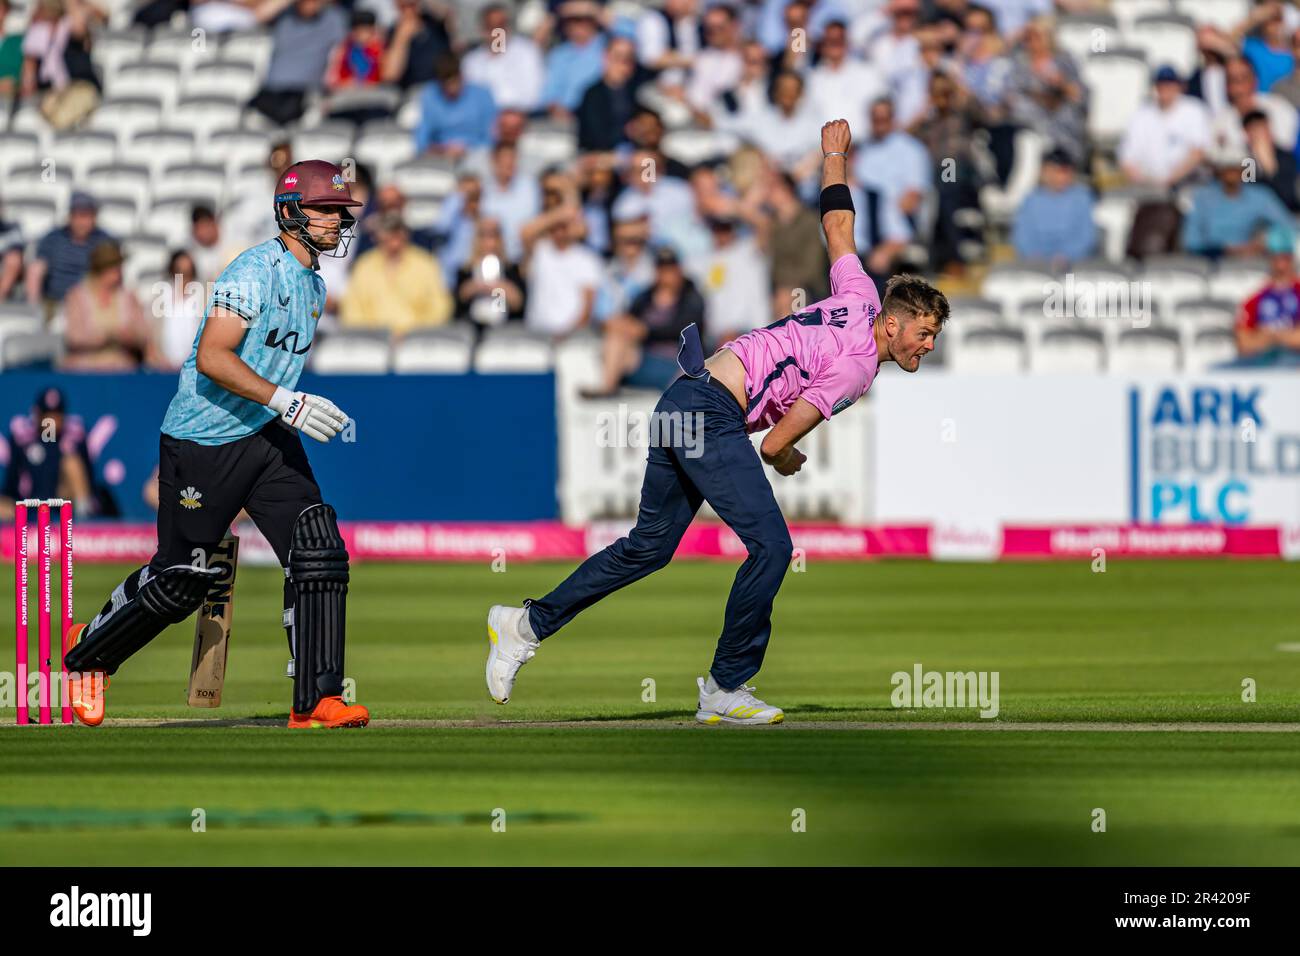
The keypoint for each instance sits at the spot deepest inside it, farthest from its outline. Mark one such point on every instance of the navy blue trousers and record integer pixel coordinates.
(718, 465)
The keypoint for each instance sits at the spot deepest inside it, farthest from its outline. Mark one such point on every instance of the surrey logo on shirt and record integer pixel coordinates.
(190, 498)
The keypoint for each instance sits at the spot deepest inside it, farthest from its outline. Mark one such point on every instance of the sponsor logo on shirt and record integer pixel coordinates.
(286, 343)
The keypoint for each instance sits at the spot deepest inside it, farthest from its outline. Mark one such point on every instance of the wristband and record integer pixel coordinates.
(280, 400)
(836, 196)
(835, 152)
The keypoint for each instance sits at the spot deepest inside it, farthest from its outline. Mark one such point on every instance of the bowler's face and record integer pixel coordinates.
(913, 341)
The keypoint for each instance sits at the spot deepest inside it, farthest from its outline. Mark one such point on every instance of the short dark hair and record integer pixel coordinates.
(912, 296)
(446, 66)
(200, 213)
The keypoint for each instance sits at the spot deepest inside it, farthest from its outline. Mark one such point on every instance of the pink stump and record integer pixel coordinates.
(20, 605)
(43, 609)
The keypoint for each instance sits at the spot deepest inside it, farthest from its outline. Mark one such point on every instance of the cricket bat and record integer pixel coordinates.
(212, 629)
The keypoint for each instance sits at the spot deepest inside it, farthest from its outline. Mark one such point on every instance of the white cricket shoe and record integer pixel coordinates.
(511, 645)
(739, 706)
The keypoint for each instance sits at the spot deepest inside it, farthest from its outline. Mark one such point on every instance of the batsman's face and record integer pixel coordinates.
(911, 339)
(323, 224)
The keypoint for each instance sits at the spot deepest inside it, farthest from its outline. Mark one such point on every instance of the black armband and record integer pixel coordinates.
(836, 196)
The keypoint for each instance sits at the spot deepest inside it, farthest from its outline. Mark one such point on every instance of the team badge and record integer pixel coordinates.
(339, 184)
(190, 498)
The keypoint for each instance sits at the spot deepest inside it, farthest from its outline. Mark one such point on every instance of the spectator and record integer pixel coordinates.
(396, 285)
(667, 39)
(509, 196)
(985, 71)
(56, 61)
(1288, 88)
(303, 35)
(506, 63)
(358, 60)
(388, 198)
(455, 116)
(1208, 81)
(106, 327)
(716, 68)
(666, 200)
(787, 56)
(1047, 94)
(1263, 39)
(1274, 167)
(947, 129)
(576, 62)
(898, 52)
(893, 164)
(639, 347)
(11, 258)
(1244, 98)
(457, 219)
(786, 128)
(178, 306)
(609, 103)
(1054, 223)
(628, 271)
(1268, 323)
(646, 132)
(205, 249)
(415, 43)
(562, 273)
(742, 106)
(11, 56)
(796, 255)
(1228, 216)
(598, 186)
(1014, 15)
(489, 287)
(1167, 137)
(840, 86)
(45, 456)
(63, 254)
(735, 282)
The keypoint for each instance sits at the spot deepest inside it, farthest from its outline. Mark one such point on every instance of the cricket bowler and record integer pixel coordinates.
(230, 441)
(789, 377)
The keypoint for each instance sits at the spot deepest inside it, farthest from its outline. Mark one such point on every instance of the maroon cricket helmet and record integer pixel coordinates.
(313, 182)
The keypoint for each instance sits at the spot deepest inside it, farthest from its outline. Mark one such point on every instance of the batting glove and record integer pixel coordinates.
(312, 415)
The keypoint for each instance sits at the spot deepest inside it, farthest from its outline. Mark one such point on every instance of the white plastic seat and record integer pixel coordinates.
(34, 183)
(78, 151)
(127, 116)
(116, 216)
(1080, 34)
(351, 353)
(146, 257)
(428, 175)
(253, 49)
(1001, 202)
(543, 145)
(29, 348)
(1068, 351)
(444, 351)
(169, 219)
(120, 181)
(1119, 80)
(202, 115)
(199, 183)
(509, 349)
(1146, 351)
(1224, 14)
(160, 148)
(160, 80)
(1011, 286)
(421, 211)
(1168, 40)
(382, 145)
(1172, 286)
(18, 149)
(238, 148)
(1211, 347)
(1129, 11)
(988, 352)
(178, 47)
(221, 79)
(114, 48)
(35, 217)
(1237, 280)
(329, 141)
(695, 146)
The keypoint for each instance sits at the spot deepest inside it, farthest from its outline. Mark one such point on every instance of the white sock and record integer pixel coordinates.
(711, 686)
(526, 628)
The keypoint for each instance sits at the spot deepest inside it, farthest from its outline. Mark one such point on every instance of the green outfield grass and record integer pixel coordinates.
(1143, 642)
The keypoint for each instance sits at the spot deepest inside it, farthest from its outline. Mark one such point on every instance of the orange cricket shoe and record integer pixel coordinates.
(331, 712)
(86, 691)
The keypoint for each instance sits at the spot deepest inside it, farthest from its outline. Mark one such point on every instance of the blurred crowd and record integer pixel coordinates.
(639, 240)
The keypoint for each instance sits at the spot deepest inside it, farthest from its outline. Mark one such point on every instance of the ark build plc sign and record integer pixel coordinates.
(1220, 450)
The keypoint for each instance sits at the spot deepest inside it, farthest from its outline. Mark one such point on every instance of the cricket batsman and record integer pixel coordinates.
(230, 441)
(789, 377)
